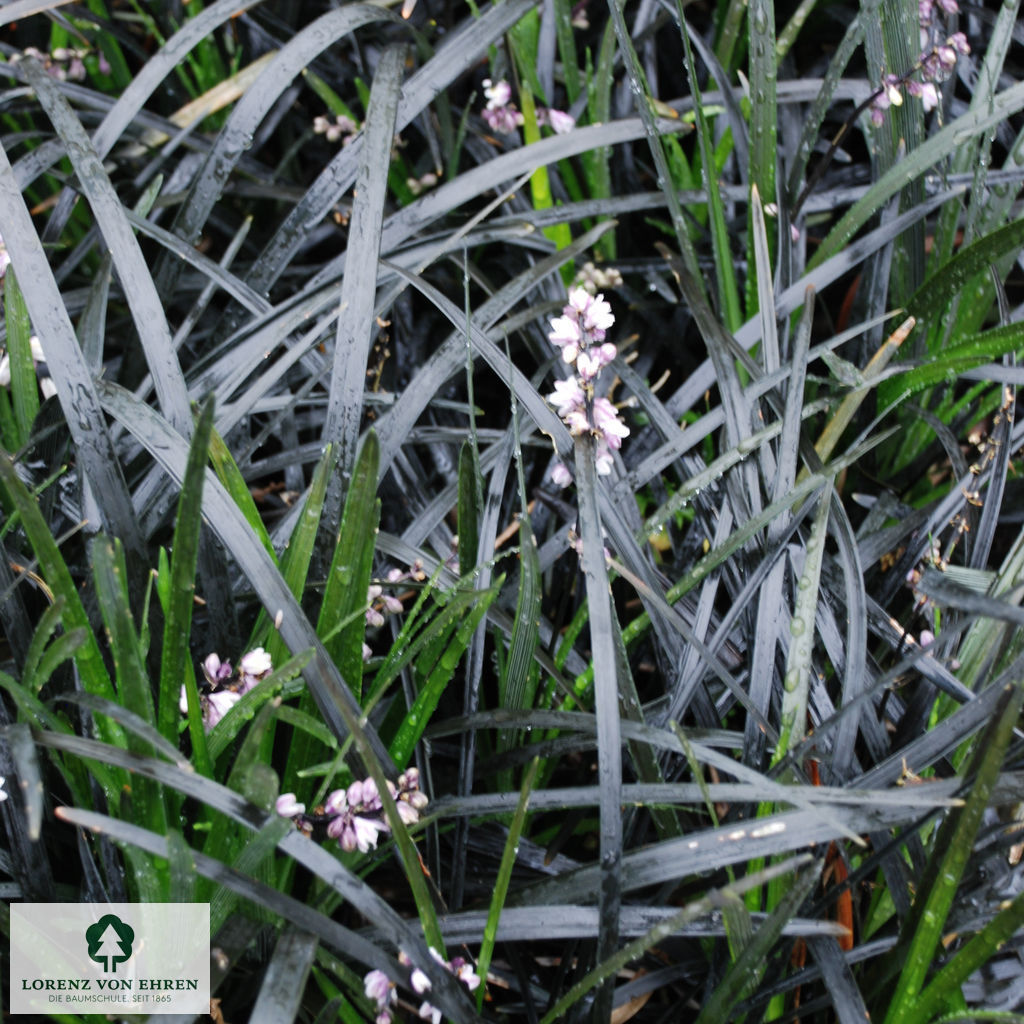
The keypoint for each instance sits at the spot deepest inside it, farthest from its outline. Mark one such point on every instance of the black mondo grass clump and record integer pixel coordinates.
(516, 506)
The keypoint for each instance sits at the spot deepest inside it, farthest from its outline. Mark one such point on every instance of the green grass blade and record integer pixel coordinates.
(941, 145)
(946, 364)
(296, 560)
(180, 593)
(418, 717)
(930, 300)
(348, 578)
(234, 483)
(504, 877)
(746, 969)
(109, 576)
(54, 570)
(838, 423)
(761, 245)
(227, 522)
(944, 988)
(691, 912)
(953, 844)
(763, 121)
(638, 82)
(797, 680)
(728, 295)
(24, 391)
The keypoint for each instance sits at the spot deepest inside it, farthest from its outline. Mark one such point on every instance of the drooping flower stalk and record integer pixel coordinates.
(354, 816)
(381, 989)
(222, 688)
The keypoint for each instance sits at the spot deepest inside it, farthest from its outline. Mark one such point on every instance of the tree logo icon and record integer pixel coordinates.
(110, 942)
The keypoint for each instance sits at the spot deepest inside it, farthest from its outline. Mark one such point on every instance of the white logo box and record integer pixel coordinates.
(110, 958)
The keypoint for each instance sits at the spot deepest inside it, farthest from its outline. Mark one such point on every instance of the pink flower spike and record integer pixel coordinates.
(503, 120)
(215, 670)
(256, 663)
(288, 807)
(565, 330)
(377, 986)
(371, 798)
(567, 396)
(560, 475)
(217, 706)
(579, 301)
(467, 975)
(959, 43)
(577, 422)
(588, 365)
(607, 422)
(498, 93)
(599, 315)
(407, 813)
(420, 982)
(431, 1013)
(561, 123)
(366, 833)
(929, 96)
(336, 802)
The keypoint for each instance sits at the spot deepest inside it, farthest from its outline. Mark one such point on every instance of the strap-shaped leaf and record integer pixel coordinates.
(348, 578)
(75, 388)
(180, 594)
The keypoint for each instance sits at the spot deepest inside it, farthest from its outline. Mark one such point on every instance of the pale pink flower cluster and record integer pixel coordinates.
(580, 334)
(63, 63)
(381, 989)
(503, 117)
(558, 121)
(223, 688)
(380, 605)
(355, 815)
(938, 57)
(341, 127)
(594, 278)
(500, 112)
(5, 259)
